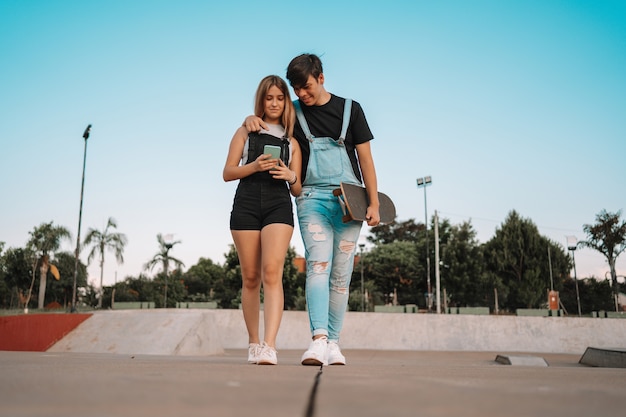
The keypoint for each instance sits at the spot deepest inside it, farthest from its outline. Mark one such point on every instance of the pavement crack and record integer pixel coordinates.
(310, 409)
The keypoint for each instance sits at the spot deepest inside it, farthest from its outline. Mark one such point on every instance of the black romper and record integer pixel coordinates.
(260, 199)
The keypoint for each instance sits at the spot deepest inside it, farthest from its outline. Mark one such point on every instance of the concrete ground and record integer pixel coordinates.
(374, 383)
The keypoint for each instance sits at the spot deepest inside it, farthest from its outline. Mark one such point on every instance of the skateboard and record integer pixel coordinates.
(353, 200)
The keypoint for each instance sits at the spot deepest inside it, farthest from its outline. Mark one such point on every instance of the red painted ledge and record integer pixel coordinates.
(36, 332)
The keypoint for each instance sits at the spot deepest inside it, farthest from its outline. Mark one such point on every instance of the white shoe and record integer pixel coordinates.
(316, 354)
(334, 354)
(267, 355)
(253, 352)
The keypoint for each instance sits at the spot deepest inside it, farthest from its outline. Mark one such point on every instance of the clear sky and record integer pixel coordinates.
(508, 105)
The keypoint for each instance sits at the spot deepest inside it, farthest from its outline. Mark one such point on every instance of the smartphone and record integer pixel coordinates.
(272, 150)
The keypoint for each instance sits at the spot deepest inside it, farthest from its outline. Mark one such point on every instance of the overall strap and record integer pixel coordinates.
(302, 120)
(285, 153)
(346, 120)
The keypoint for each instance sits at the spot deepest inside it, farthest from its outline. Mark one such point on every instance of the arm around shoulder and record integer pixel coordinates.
(253, 123)
(295, 165)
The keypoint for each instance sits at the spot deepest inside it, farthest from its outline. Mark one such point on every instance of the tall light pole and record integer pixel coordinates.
(423, 183)
(572, 244)
(361, 246)
(437, 276)
(80, 218)
(168, 240)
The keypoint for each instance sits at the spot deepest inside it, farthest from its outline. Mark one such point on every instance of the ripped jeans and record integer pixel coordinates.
(330, 246)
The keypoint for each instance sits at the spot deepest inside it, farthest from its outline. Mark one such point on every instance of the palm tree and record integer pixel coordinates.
(44, 240)
(100, 241)
(163, 257)
(607, 236)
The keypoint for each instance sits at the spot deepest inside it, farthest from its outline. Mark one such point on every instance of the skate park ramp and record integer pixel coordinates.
(521, 360)
(158, 332)
(36, 332)
(203, 332)
(604, 357)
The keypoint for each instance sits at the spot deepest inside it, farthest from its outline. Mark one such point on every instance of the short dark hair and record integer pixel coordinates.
(301, 67)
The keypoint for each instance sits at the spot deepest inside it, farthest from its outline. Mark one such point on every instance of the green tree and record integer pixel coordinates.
(461, 266)
(5, 291)
(228, 289)
(293, 282)
(122, 291)
(366, 298)
(595, 295)
(100, 242)
(16, 270)
(517, 256)
(163, 257)
(61, 290)
(607, 236)
(44, 240)
(407, 231)
(202, 278)
(140, 288)
(176, 288)
(394, 268)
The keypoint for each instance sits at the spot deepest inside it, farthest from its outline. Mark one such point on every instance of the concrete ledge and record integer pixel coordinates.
(469, 310)
(539, 312)
(609, 314)
(208, 332)
(197, 304)
(389, 309)
(133, 305)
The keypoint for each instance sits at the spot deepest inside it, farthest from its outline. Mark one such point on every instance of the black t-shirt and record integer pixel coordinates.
(326, 121)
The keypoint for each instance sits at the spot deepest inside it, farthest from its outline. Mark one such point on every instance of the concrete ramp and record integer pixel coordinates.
(36, 332)
(157, 332)
(202, 332)
(521, 360)
(604, 357)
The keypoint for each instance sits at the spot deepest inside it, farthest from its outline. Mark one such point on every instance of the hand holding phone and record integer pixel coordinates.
(272, 150)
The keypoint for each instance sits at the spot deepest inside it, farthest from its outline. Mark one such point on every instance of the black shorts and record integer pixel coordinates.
(259, 203)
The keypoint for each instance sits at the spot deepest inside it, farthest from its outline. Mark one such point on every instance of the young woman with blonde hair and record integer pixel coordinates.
(261, 221)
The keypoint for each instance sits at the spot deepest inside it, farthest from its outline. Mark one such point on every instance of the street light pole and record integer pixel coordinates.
(80, 218)
(361, 246)
(168, 245)
(423, 183)
(437, 276)
(572, 244)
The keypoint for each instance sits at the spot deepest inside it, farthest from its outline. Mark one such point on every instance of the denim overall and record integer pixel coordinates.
(330, 244)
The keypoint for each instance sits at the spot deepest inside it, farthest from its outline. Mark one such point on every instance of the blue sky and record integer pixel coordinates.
(508, 105)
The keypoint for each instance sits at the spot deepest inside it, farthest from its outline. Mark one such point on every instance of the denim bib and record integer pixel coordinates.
(329, 163)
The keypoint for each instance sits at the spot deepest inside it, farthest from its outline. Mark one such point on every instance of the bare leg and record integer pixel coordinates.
(248, 244)
(275, 240)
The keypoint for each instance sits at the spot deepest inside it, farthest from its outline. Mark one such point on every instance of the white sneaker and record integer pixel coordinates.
(334, 354)
(267, 355)
(316, 354)
(253, 352)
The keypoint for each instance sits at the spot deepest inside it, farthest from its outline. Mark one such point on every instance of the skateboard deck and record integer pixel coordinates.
(354, 202)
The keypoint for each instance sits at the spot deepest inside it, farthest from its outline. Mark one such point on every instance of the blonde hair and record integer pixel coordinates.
(289, 114)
